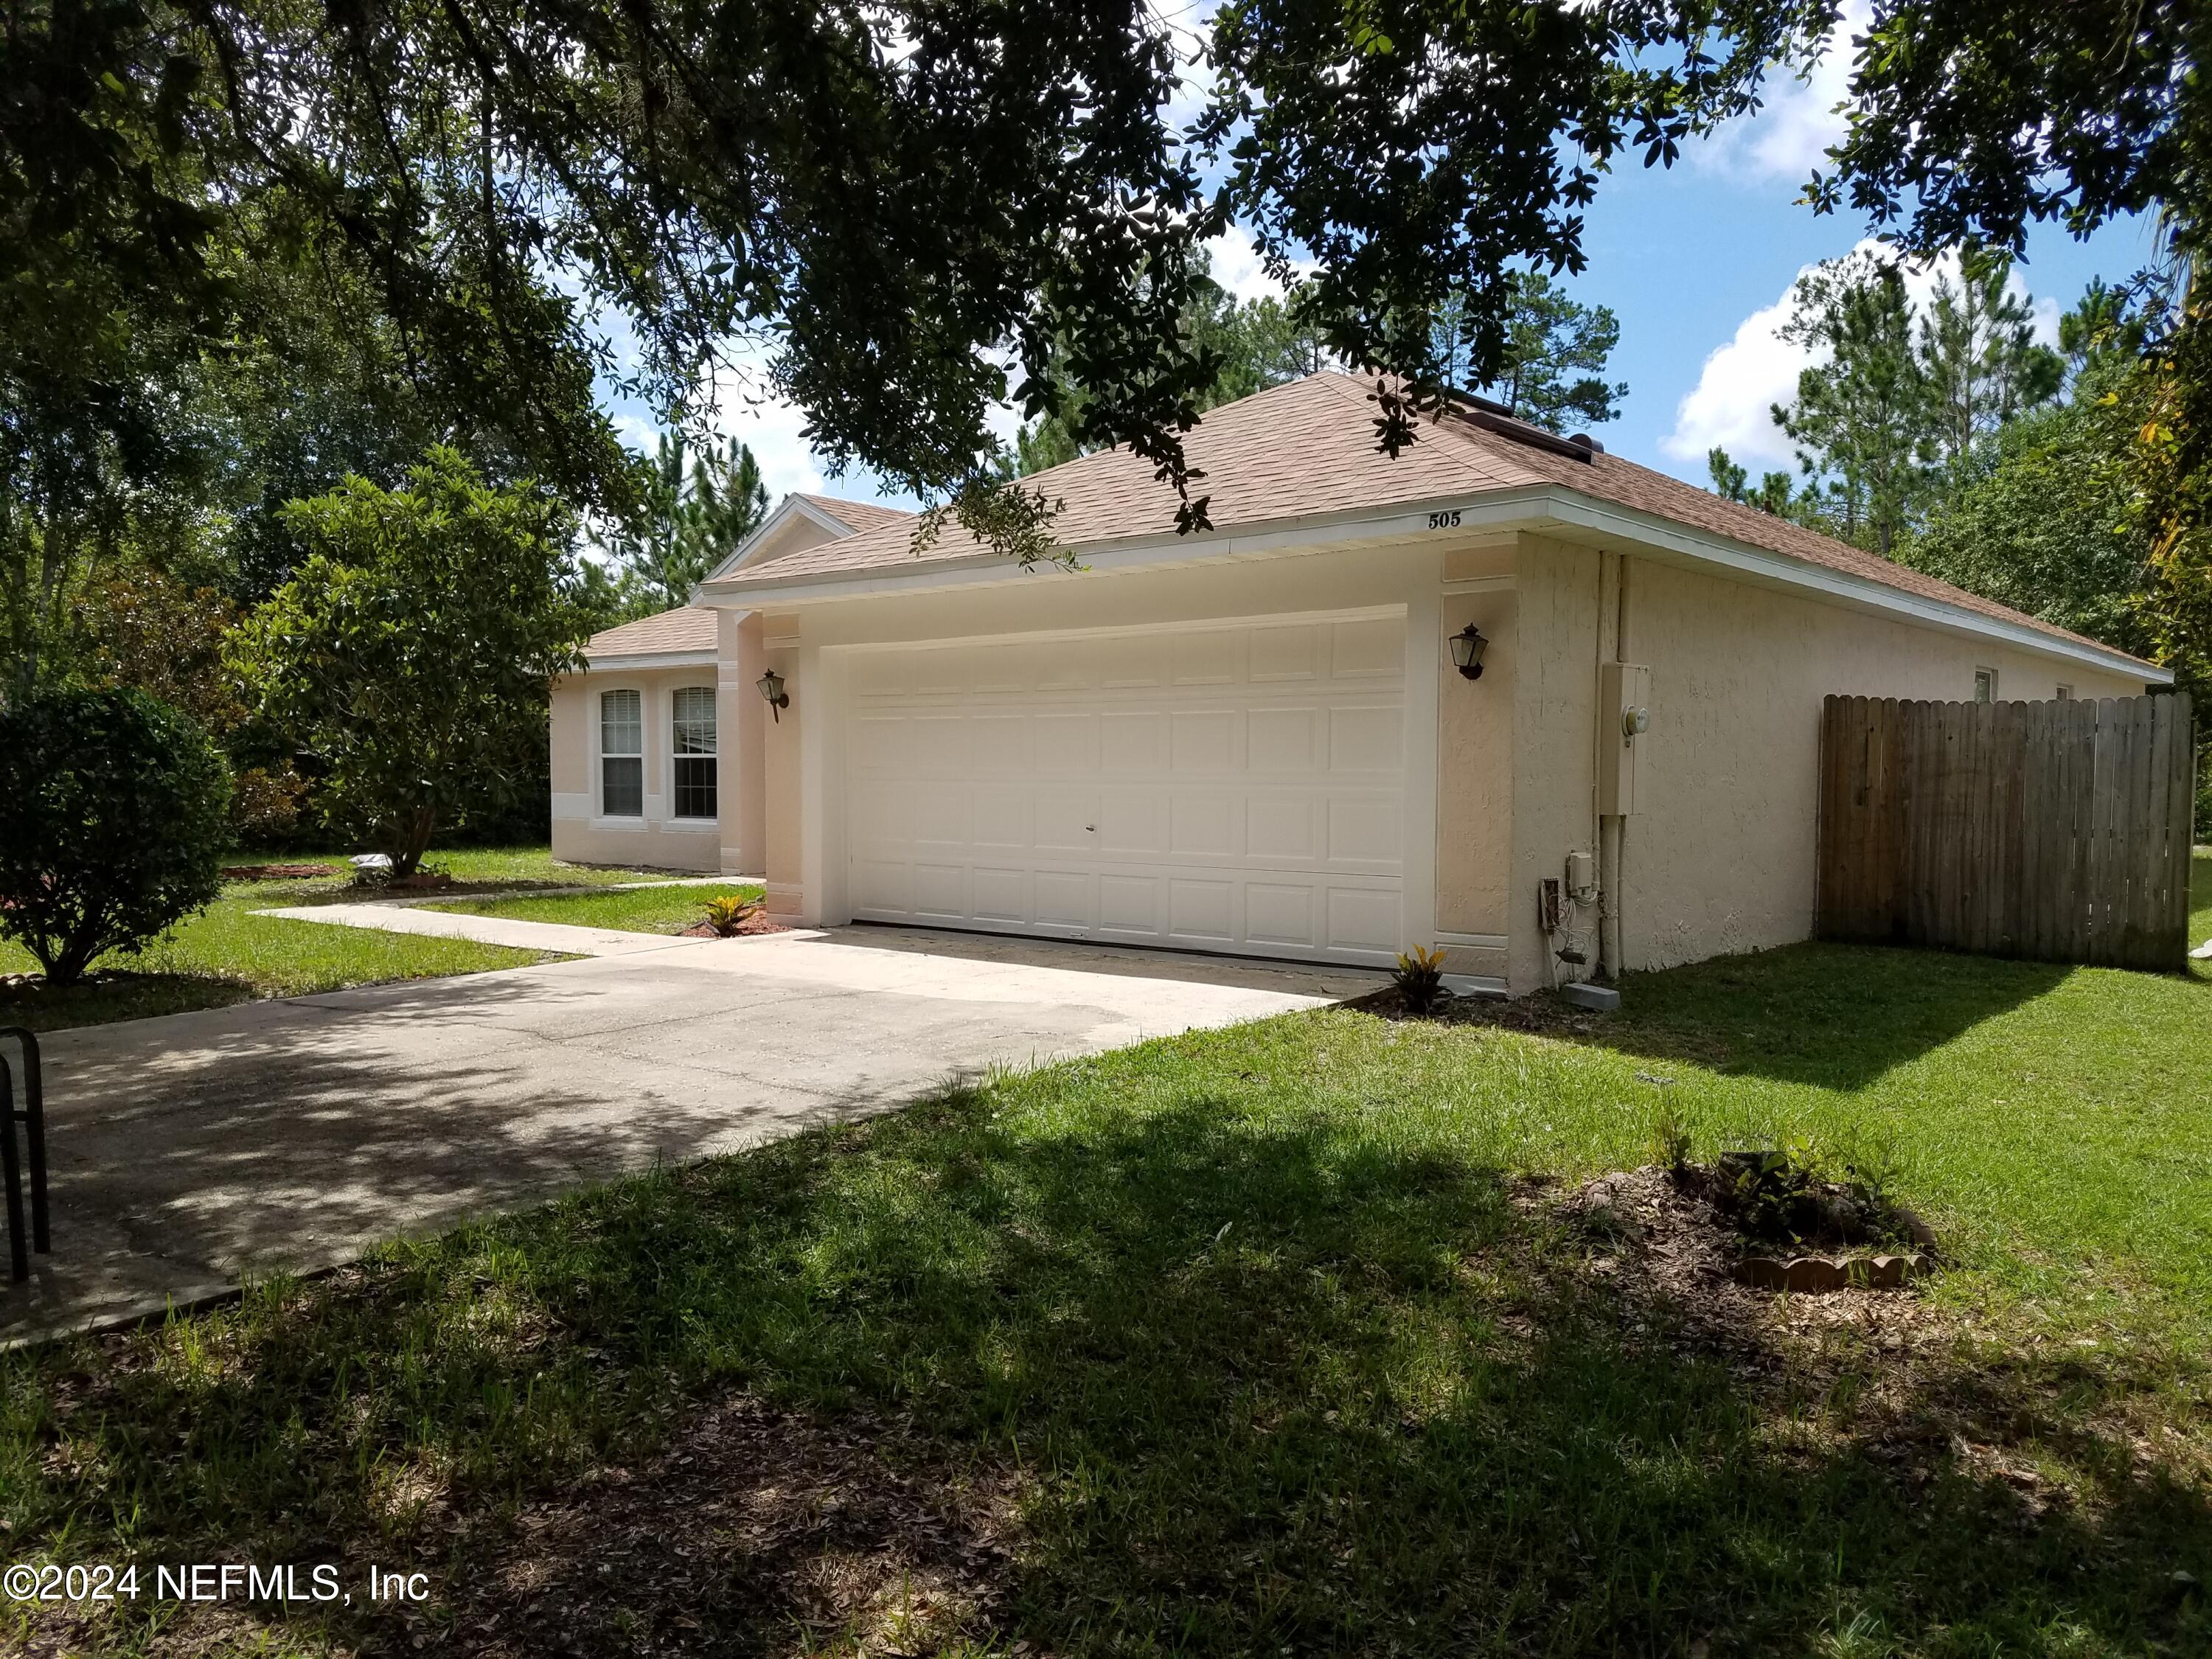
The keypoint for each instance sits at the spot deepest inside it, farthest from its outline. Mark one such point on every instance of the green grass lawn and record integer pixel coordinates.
(227, 954)
(639, 910)
(1252, 1341)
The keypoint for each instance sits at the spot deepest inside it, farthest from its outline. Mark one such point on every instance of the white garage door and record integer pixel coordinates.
(1229, 788)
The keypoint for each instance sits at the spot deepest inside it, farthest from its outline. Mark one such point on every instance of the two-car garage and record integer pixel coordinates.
(1233, 787)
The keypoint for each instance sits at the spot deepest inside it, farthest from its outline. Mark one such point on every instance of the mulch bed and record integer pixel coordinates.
(746, 929)
(1542, 1014)
(277, 872)
(1663, 1244)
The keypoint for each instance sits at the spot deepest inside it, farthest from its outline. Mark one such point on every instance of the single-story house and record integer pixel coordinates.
(1267, 738)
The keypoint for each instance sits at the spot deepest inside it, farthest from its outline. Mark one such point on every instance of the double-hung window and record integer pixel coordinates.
(695, 752)
(622, 755)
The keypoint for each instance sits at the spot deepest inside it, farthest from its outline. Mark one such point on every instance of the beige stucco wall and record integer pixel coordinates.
(1475, 760)
(780, 768)
(741, 717)
(1719, 858)
(1501, 772)
(1559, 587)
(655, 842)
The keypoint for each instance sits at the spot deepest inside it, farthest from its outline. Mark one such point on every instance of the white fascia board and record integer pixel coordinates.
(646, 659)
(1540, 508)
(1574, 512)
(792, 506)
(1501, 509)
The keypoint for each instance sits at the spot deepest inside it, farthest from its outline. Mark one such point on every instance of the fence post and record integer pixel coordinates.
(34, 1119)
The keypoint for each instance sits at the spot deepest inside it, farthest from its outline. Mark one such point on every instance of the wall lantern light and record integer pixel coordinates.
(1467, 651)
(771, 689)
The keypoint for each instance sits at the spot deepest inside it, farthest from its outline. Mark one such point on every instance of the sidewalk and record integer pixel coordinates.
(557, 936)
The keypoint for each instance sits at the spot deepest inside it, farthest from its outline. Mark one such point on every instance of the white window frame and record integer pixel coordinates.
(2065, 694)
(1985, 681)
(679, 756)
(604, 755)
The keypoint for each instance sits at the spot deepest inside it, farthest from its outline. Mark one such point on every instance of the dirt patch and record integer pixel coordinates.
(278, 872)
(1661, 1240)
(756, 1530)
(756, 1525)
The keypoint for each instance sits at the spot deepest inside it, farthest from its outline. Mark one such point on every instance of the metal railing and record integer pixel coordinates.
(33, 1117)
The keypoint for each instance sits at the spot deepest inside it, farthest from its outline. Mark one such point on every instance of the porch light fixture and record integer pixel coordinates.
(770, 685)
(1467, 651)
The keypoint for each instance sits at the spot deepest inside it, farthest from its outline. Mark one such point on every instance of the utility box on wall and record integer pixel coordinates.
(1624, 702)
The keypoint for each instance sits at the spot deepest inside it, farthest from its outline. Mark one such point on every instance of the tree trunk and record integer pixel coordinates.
(414, 841)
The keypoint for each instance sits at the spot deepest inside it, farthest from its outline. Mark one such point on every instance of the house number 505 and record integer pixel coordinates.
(1444, 520)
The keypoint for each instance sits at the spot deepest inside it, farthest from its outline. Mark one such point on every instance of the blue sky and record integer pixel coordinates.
(1697, 261)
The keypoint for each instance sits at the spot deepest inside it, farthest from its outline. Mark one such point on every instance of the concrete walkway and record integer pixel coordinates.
(560, 936)
(188, 1149)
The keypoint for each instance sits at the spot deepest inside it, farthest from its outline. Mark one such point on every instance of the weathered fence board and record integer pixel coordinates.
(2055, 830)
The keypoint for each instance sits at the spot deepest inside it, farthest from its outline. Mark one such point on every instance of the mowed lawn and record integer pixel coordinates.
(227, 954)
(668, 909)
(1261, 1340)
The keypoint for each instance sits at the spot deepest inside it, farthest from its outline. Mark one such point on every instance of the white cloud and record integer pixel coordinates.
(1789, 136)
(1732, 403)
(1237, 266)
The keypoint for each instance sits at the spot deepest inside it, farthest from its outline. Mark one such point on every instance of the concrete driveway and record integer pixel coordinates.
(191, 1149)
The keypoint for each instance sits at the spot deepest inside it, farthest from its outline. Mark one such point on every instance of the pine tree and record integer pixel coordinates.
(1863, 419)
(1981, 360)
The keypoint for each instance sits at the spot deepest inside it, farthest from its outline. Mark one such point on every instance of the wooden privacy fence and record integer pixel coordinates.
(2054, 830)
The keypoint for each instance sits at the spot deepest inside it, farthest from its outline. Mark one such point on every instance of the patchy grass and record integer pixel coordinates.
(227, 954)
(1254, 1340)
(638, 910)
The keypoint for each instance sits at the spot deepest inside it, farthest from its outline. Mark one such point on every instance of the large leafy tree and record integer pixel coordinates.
(2041, 522)
(413, 651)
(1972, 120)
(878, 202)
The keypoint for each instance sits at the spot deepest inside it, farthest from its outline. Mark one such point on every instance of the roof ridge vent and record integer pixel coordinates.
(1500, 419)
(1588, 442)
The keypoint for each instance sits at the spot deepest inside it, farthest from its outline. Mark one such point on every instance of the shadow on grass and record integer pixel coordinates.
(1262, 1379)
(1833, 1016)
(111, 994)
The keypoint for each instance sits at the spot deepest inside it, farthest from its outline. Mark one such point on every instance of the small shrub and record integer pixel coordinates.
(113, 822)
(727, 916)
(1420, 979)
(1670, 1142)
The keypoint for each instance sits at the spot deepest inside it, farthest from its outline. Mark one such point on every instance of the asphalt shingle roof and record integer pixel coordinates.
(1308, 448)
(687, 627)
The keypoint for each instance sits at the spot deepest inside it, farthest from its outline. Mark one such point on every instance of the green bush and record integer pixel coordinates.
(112, 823)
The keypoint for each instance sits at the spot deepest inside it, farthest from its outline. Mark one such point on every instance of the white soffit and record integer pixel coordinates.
(1543, 509)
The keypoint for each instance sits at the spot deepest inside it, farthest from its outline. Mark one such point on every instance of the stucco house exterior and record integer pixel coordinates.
(1257, 739)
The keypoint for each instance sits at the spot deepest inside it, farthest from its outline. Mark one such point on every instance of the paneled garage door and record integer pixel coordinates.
(1226, 788)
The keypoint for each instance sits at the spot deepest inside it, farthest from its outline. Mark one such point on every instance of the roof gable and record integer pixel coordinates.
(801, 521)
